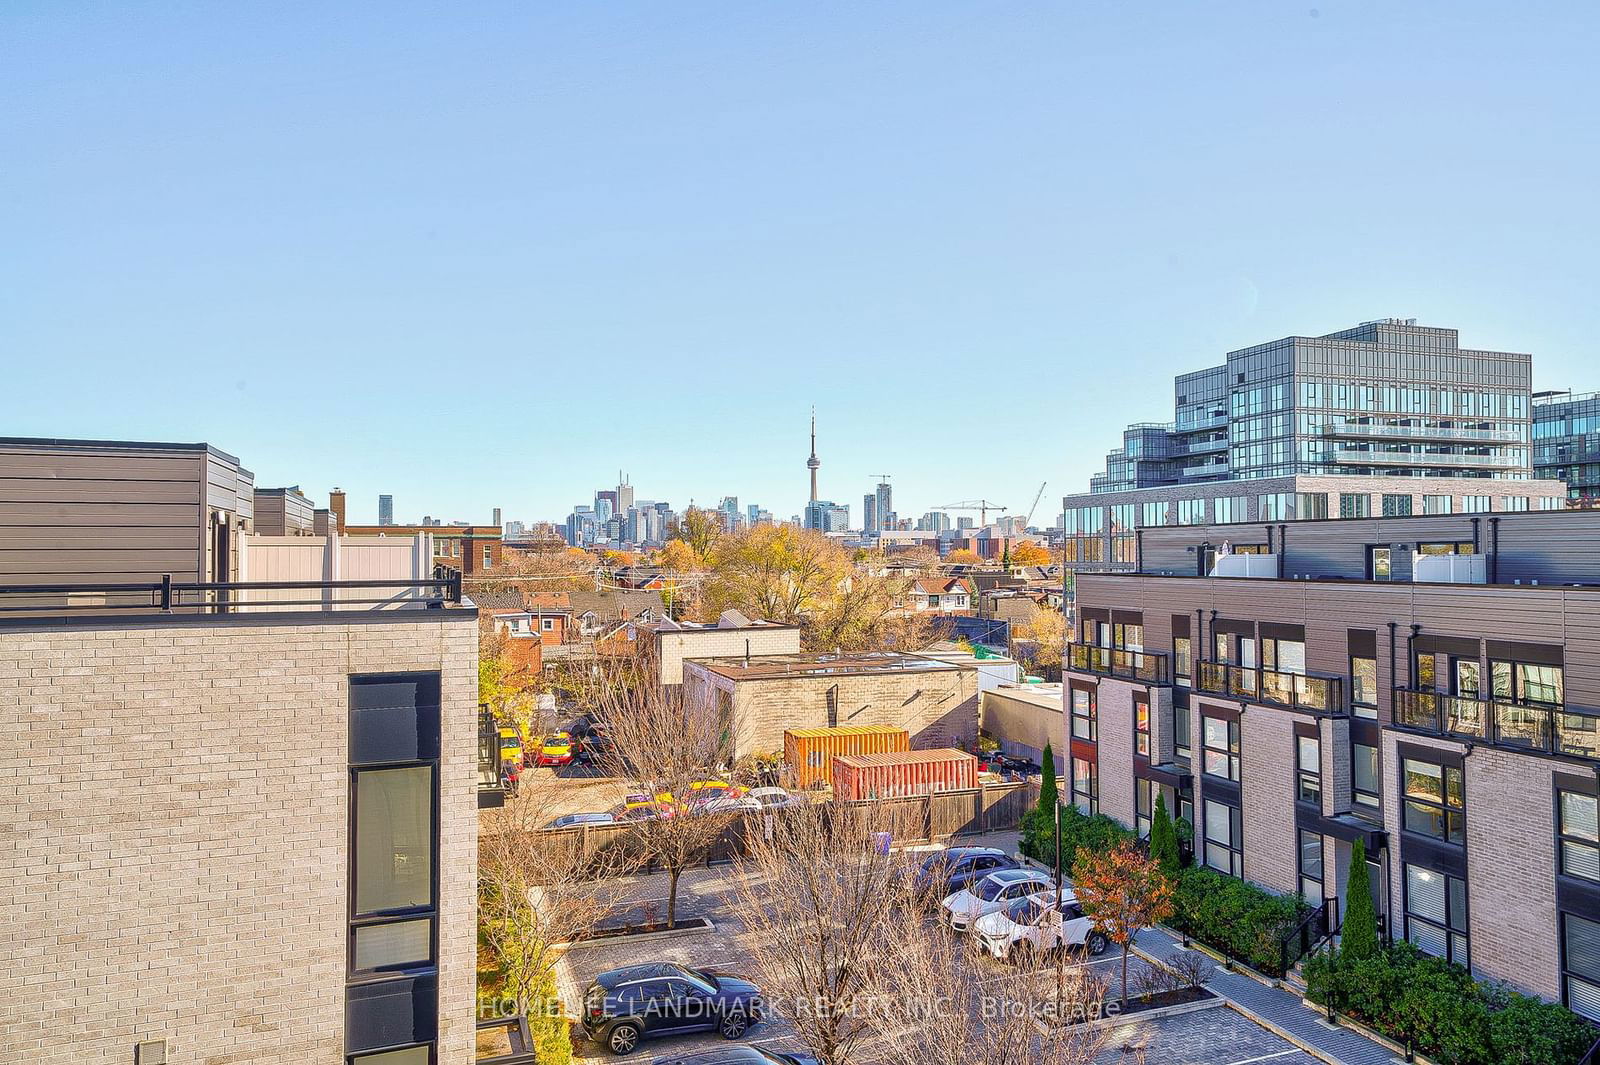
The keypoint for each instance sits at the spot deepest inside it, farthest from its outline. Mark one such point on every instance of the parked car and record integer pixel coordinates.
(991, 893)
(947, 871)
(1037, 925)
(555, 750)
(742, 804)
(743, 1055)
(510, 746)
(623, 1006)
(636, 807)
(570, 820)
(773, 798)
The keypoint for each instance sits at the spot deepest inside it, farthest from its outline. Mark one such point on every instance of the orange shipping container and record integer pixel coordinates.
(894, 775)
(810, 751)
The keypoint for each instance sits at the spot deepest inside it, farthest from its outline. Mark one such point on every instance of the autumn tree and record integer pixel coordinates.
(1046, 632)
(775, 573)
(1028, 553)
(868, 611)
(1123, 892)
(699, 529)
(963, 556)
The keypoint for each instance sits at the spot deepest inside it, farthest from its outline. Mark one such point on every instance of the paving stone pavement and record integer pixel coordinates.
(1209, 1037)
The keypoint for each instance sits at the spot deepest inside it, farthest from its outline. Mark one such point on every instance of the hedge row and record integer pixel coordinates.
(1235, 918)
(1440, 1010)
(1096, 832)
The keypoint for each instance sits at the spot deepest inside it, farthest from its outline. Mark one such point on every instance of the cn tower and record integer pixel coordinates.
(813, 462)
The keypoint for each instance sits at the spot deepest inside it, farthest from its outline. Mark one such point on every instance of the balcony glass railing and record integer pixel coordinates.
(1358, 430)
(1148, 667)
(1318, 693)
(1530, 726)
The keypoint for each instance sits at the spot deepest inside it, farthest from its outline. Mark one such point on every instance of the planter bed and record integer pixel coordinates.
(684, 926)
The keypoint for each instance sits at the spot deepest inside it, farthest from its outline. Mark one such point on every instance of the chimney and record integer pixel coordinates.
(336, 505)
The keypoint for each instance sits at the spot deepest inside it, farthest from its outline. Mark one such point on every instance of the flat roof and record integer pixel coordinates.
(1046, 695)
(775, 667)
(118, 445)
(936, 754)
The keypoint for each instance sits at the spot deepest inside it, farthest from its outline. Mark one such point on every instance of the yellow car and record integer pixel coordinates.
(510, 746)
(704, 791)
(555, 750)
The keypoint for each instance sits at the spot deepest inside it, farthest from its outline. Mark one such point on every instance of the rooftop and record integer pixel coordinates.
(774, 667)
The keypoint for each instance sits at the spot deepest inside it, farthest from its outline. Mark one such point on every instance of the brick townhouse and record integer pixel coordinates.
(1427, 685)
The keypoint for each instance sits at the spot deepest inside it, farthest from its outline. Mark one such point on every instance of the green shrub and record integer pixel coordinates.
(1441, 1011)
(551, 1031)
(1234, 917)
(1048, 794)
(1359, 937)
(1164, 839)
(1098, 834)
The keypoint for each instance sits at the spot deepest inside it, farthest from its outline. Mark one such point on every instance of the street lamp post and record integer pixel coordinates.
(1061, 938)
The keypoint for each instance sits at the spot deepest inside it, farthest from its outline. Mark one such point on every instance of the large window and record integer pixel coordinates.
(1309, 505)
(1152, 515)
(1311, 875)
(1364, 685)
(1084, 726)
(1308, 755)
(1275, 506)
(1224, 837)
(1436, 914)
(1232, 509)
(1355, 505)
(1435, 801)
(1437, 504)
(1580, 965)
(1366, 780)
(1380, 563)
(1474, 504)
(1141, 728)
(1527, 682)
(1579, 830)
(1191, 512)
(1396, 506)
(1181, 660)
(1085, 792)
(1180, 733)
(1144, 805)
(1221, 747)
(1514, 503)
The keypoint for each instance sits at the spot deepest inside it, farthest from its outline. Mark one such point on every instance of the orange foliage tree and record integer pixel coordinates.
(1123, 892)
(1028, 553)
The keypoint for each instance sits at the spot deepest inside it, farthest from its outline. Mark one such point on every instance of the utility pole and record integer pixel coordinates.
(1061, 939)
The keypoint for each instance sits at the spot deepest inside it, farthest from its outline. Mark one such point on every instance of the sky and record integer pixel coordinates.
(488, 254)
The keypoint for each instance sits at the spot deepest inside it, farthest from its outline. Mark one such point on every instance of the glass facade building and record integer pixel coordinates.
(1566, 441)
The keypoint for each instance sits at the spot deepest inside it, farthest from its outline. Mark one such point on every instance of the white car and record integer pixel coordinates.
(742, 804)
(993, 892)
(1036, 925)
(772, 798)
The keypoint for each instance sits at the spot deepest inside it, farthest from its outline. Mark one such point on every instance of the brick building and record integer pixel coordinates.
(1427, 685)
(936, 702)
(732, 635)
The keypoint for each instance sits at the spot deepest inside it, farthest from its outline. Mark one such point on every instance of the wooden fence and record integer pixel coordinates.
(911, 820)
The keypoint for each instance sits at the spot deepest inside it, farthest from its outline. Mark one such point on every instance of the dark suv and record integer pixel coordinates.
(624, 1006)
(945, 872)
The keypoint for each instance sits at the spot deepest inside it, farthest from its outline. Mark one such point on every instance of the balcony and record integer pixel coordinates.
(1542, 727)
(1358, 431)
(1349, 456)
(1313, 693)
(1146, 667)
(167, 596)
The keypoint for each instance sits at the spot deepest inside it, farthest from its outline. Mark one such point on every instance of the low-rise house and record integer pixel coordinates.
(935, 702)
(940, 595)
(733, 634)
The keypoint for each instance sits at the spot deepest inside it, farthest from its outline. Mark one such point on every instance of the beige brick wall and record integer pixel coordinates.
(938, 707)
(173, 848)
(1114, 748)
(673, 647)
(1266, 795)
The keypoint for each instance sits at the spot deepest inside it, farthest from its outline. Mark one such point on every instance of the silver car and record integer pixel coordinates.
(993, 892)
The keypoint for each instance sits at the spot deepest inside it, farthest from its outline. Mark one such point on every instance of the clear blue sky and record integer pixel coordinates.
(486, 254)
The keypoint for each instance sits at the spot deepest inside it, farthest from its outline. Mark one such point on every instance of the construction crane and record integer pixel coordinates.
(1036, 497)
(982, 506)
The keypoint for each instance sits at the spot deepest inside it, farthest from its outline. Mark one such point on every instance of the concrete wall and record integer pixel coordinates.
(174, 843)
(673, 647)
(1022, 722)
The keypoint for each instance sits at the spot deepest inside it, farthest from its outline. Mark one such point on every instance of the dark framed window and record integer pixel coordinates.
(1436, 914)
(1308, 764)
(1463, 547)
(1220, 740)
(1311, 868)
(1366, 779)
(1435, 800)
(1527, 682)
(1580, 965)
(1084, 726)
(1355, 505)
(1182, 659)
(1364, 686)
(1578, 830)
(1180, 733)
(417, 1055)
(1141, 728)
(1396, 506)
(1144, 806)
(1224, 838)
(1085, 789)
(1380, 563)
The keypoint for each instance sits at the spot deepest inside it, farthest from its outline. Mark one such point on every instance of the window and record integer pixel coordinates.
(1364, 685)
(1275, 506)
(392, 853)
(1224, 839)
(1308, 505)
(488, 556)
(1380, 563)
(1365, 778)
(1221, 747)
(1141, 728)
(1579, 830)
(1514, 503)
(1311, 866)
(1451, 547)
(1436, 504)
(547, 624)
(1355, 505)
(1396, 506)
(1180, 733)
(1527, 682)
(1181, 659)
(1552, 503)
(1085, 794)
(1232, 509)
(1144, 805)
(410, 1056)
(1436, 914)
(1191, 512)
(1084, 726)
(1580, 965)
(1474, 504)
(1308, 751)
(1435, 801)
(1152, 515)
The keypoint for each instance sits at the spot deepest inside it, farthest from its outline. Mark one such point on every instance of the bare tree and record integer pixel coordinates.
(819, 897)
(678, 750)
(537, 890)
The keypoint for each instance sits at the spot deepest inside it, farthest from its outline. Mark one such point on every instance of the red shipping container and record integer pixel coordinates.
(810, 751)
(897, 774)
